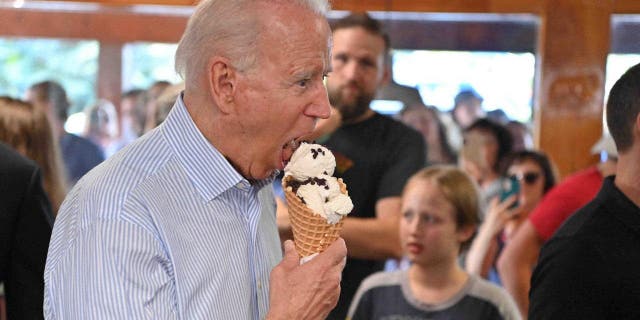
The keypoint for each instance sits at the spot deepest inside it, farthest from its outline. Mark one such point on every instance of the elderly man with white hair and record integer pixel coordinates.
(181, 224)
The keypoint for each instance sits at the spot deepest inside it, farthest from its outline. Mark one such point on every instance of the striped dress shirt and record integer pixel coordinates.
(164, 229)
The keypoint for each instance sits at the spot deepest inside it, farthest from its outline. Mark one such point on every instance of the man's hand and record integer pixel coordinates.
(308, 291)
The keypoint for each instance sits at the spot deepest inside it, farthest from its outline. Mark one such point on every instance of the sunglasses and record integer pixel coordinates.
(527, 177)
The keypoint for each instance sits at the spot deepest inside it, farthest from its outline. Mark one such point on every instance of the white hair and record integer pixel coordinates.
(229, 28)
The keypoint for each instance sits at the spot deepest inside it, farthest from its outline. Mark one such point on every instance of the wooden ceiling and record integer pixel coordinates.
(572, 41)
(458, 6)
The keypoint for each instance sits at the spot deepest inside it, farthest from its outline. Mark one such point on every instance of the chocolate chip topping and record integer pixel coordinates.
(294, 184)
(316, 152)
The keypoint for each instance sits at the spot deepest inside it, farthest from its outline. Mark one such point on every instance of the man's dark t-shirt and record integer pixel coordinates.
(590, 269)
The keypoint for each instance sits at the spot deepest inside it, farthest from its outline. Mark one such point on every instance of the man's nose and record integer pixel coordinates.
(319, 107)
(352, 70)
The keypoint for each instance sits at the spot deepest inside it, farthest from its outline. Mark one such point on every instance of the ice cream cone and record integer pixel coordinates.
(311, 231)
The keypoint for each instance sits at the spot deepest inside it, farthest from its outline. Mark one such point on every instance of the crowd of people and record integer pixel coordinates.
(165, 206)
(33, 128)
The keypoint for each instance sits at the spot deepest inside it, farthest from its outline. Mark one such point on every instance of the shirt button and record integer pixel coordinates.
(259, 285)
(242, 185)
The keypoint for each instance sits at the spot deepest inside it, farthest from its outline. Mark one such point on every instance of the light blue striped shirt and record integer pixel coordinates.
(164, 229)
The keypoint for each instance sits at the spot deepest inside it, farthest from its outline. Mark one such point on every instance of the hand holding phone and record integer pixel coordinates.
(510, 186)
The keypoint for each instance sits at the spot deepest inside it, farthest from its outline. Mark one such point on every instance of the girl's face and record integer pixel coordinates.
(532, 180)
(428, 231)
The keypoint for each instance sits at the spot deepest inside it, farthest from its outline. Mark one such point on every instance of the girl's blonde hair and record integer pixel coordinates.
(26, 128)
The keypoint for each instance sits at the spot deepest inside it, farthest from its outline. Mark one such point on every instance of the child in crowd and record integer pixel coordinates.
(440, 214)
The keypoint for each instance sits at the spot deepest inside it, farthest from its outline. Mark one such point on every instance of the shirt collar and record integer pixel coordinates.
(628, 212)
(210, 172)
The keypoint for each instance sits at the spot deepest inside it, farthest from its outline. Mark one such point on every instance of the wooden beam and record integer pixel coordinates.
(509, 36)
(574, 43)
(626, 6)
(453, 6)
(137, 2)
(109, 84)
(102, 24)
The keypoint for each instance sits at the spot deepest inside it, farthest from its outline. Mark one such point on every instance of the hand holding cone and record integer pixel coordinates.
(317, 201)
(312, 233)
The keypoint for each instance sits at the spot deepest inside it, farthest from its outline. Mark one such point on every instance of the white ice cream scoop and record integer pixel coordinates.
(310, 160)
(324, 197)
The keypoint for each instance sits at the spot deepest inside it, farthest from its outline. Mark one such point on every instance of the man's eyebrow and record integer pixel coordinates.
(302, 74)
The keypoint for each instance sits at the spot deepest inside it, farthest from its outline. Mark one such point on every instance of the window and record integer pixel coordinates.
(27, 61)
(503, 79)
(146, 62)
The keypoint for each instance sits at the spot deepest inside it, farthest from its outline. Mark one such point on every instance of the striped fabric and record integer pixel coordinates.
(164, 229)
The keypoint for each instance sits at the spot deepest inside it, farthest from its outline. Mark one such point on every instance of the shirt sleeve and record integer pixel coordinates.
(113, 270)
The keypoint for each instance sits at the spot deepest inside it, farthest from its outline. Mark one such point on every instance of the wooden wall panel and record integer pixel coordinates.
(626, 6)
(111, 25)
(477, 6)
(574, 43)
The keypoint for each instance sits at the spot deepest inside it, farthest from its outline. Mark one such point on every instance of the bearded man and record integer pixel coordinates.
(375, 154)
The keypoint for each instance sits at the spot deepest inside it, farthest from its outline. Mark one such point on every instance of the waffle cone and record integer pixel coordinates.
(311, 231)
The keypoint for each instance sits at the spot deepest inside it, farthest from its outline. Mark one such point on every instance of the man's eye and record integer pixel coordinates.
(341, 58)
(368, 63)
(303, 83)
(429, 219)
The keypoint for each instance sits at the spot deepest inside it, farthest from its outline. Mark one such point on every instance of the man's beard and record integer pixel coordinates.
(351, 111)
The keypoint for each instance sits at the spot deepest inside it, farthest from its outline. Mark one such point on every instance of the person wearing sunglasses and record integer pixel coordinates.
(486, 147)
(517, 260)
(535, 176)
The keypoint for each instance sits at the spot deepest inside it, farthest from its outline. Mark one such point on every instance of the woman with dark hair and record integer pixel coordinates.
(426, 120)
(486, 146)
(535, 176)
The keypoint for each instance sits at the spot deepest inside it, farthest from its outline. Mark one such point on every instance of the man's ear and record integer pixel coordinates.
(635, 132)
(222, 78)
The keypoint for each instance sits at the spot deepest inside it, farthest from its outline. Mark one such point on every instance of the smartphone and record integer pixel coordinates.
(510, 186)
